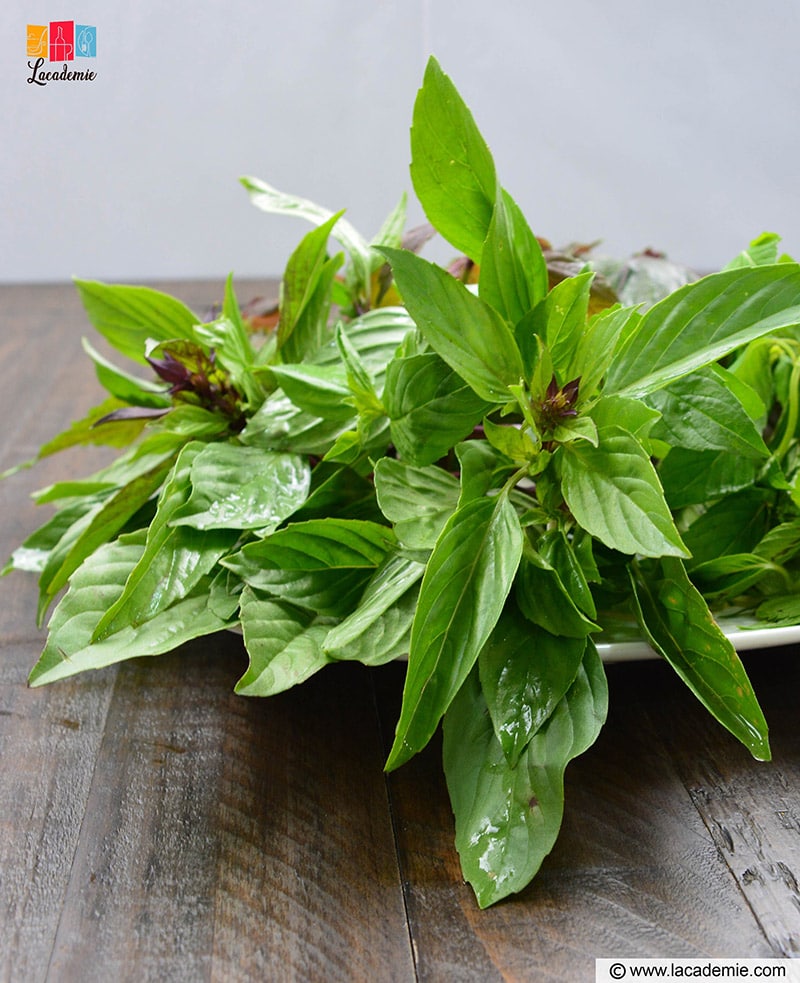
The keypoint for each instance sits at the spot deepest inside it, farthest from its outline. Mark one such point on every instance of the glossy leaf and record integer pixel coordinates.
(508, 819)
(513, 276)
(242, 488)
(703, 322)
(129, 317)
(269, 199)
(545, 601)
(379, 629)
(451, 167)
(468, 334)
(679, 626)
(524, 672)
(430, 406)
(694, 477)
(417, 501)
(700, 412)
(320, 390)
(95, 587)
(467, 580)
(614, 493)
(300, 280)
(322, 544)
(284, 644)
(124, 386)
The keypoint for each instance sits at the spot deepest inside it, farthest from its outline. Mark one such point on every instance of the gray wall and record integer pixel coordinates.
(673, 126)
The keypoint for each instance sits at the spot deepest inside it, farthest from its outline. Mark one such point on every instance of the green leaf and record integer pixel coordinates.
(703, 321)
(91, 430)
(507, 819)
(322, 544)
(465, 586)
(417, 501)
(762, 251)
(129, 317)
(269, 199)
(560, 321)
(451, 167)
(379, 629)
(430, 406)
(106, 522)
(34, 554)
(234, 487)
(595, 351)
(468, 334)
(696, 477)
(545, 601)
(300, 280)
(614, 493)
(317, 389)
(679, 626)
(632, 415)
(279, 425)
(513, 277)
(96, 587)
(329, 592)
(735, 524)
(700, 412)
(284, 644)
(524, 672)
(122, 385)
(173, 560)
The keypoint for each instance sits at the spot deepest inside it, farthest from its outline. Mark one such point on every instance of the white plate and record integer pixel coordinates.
(623, 644)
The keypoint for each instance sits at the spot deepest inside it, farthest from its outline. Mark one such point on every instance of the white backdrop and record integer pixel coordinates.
(673, 126)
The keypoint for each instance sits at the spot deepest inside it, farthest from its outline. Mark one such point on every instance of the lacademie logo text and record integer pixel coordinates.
(61, 42)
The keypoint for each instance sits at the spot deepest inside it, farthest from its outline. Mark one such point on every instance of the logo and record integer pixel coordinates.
(59, 43)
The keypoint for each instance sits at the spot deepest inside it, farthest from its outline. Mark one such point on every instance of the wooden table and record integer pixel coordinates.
(153, 826)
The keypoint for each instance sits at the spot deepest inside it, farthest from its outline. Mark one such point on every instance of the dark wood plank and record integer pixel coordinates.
(49, 738)
(236, 839)
(752, 812)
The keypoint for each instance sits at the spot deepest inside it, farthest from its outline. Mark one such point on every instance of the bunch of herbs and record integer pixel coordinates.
(478, 467)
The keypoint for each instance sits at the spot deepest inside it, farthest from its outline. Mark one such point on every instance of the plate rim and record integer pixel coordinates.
(737, 630)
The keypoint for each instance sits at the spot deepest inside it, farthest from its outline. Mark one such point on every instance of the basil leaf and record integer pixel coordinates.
(544, 600)
(321, 544)
(695, 477)
(513, 276)
(701, 412)
(430, 406)
(702, 322)
(451, 167)
(379, 629)
(317, 389)
(469, 335)
(235, 487)
(417, 501)
(96, 586)
(269, 199)
(560, 321)
(465, 586)
(300, 280)
(735, 524)
(524, 672)
(284, 644)
(129, 317)
(124, 386)
(614, 493)
(677, 623)
(507, 819)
